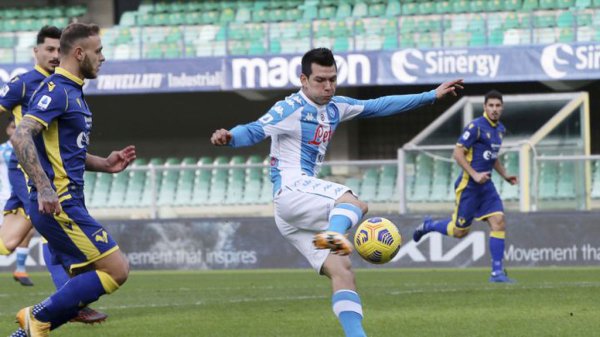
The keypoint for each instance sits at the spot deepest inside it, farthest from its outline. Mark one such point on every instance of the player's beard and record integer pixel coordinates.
(87, 68)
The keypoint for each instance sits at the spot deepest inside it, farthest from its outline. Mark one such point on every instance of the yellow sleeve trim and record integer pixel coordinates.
(108, 283)
(3, 108)
(39, 120)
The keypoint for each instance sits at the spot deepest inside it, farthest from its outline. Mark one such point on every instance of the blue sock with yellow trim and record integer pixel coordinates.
(497, 249)
(348, 308)
(343, 216)
(440, 226)
(57, 272)
(79, 291)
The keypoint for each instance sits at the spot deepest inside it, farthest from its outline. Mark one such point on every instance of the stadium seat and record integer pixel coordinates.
(530, 5)
(202, 181)
(394, 8)
(118, 189)
(218, 183)
(441, 180)
(547, 4)
(360, 10)
(548, 180)
(423, 175)
(566, 183)
(166, 193)
(235, 181)
(99, 197)
(387, 183)
(511, 163)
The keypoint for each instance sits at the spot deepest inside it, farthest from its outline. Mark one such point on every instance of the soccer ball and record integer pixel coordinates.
(377, 240)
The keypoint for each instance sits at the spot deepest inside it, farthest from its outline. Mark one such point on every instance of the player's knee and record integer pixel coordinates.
(499, 225)
(11, 243)
(119, 271)
(364, 207)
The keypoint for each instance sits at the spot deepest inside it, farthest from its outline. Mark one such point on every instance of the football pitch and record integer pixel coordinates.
(284, 303)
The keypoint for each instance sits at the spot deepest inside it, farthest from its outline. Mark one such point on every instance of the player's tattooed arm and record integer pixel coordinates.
(26, 152)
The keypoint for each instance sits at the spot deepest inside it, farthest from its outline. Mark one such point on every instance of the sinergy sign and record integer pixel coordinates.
(558, 59)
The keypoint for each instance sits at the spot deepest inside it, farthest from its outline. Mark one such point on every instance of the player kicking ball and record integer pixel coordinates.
(308, 209)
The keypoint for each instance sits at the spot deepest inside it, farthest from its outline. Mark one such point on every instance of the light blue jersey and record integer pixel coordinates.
(301, 130)
(6, 150)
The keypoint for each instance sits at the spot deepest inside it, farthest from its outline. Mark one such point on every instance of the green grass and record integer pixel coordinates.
(277, 303)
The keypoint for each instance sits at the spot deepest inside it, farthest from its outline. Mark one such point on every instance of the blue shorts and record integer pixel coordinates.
(75, 239)
(19, 196)
(475, 201)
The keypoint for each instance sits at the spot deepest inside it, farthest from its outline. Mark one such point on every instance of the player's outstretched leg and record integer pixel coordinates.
(428, 226)
(59, 276)
(341, 218)
(64, 305)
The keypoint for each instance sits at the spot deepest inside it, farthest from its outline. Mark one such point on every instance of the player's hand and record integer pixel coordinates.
(221, 137)
(117, 161)
(481, 177)
(513, 180)
(448, 88)
(48, 201)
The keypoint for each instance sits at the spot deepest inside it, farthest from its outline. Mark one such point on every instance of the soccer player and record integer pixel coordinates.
(16, 226)
(308, 209)
(14, 97)
(6, 150)
(476, 152)
(51, 145)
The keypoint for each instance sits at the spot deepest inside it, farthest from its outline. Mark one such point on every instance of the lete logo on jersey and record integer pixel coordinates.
(323, 134)
(44, 102)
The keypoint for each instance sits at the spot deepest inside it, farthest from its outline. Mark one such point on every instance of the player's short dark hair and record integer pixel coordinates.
(76, 31)
(493, 94)
(50, 32)
(321, 56)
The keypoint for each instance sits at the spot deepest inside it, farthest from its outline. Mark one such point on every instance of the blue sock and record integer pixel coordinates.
(22, 254)
(19, 333)
(497, 250)
(348, 308)
(79, 291)
(440, 226)
(343, 216)
(57, 272)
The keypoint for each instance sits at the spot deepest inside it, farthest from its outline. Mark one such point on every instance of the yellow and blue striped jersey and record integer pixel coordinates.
(15, 96)
(59, 105)
(483, 139)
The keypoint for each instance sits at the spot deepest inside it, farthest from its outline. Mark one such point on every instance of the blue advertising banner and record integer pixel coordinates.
(145, 76)
(557, 61)
(502, 64)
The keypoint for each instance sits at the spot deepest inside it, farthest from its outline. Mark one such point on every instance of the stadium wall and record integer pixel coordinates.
(537, 239)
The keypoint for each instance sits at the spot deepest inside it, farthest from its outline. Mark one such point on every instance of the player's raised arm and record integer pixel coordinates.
(394, 104)
(26, 152)
(116, 162)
